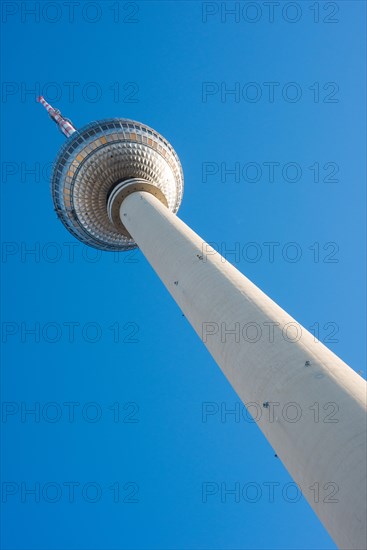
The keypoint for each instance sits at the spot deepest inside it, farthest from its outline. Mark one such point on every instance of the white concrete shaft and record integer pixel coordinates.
(321, 438)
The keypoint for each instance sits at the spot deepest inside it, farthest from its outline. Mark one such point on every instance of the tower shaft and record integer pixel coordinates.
(309, 404)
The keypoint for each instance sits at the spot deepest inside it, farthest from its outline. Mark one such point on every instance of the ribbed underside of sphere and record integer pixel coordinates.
(94, 160)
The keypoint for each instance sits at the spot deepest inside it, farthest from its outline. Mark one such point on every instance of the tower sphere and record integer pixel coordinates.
(112, 157)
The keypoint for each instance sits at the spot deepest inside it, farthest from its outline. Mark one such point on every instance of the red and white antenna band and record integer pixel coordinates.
(64, 124)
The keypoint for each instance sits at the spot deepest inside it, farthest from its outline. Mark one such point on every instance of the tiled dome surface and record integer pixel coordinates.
(93, 160)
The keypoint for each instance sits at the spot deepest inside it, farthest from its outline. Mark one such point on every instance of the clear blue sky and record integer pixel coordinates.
(152, 62)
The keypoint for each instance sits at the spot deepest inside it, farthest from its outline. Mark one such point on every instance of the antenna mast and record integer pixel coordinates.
(65, 125)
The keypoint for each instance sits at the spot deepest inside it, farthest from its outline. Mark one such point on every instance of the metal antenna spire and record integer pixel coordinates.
(65, 125)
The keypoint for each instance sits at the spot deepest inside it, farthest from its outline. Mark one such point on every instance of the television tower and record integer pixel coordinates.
(118, 184)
